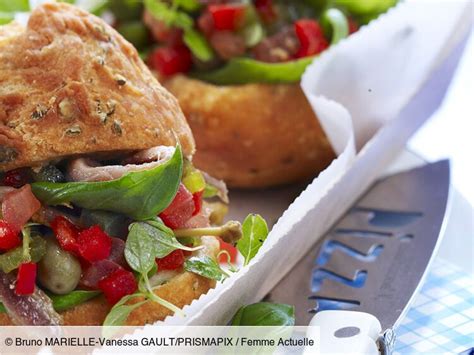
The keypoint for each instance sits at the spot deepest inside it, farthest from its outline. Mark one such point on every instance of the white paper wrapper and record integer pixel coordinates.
(373, 75)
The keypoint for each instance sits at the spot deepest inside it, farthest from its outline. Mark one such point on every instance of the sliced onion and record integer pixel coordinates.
(220, 185)
(117, 253)
(201, 220)
(98, 271)
(19, 205)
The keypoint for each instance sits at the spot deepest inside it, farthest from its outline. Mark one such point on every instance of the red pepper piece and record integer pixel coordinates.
(94, 244)
(66, 233)
(230, 249)
(311, 37)
(197, 199)
(16, 177)
(117, 285)
(171, 60)
(180, 210)
(353, 26)
(9, 237)
(25, 279)
(172, 261)
(227, 16)
(266, 10)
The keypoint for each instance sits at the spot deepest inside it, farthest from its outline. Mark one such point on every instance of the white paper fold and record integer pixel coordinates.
(376, 71)
(373, 75)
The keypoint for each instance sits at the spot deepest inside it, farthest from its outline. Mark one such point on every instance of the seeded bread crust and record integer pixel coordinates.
(254, 135)
(70, 84)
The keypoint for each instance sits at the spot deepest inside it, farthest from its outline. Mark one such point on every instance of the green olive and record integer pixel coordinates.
(58, 271)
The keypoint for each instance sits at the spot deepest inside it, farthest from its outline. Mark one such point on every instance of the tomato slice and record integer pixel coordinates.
(180, 210)
(94, 244)
(197, 199)
(230, 249)
(172, 261)
(25, 279)
(171, 60)
(227, 16)
(66, 233)
(311, 37)
(118, 284)
(9, 236)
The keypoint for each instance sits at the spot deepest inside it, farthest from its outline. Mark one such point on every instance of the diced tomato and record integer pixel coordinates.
(16, 177)
(171, 60)
(197, 199)
(172, 261)
(180, 210)
(230, 249)
(311, 37)
(227, 16)
(18, 206)
(99, 270)
(25, 279)
(266, 10)
(353, 26)
(9, 237)
(117, 285)
(66, 233)
(94, 244)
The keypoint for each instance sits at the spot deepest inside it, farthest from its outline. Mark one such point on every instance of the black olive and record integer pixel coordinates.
(49, 173)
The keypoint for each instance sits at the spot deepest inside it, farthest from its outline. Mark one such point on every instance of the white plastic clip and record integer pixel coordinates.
(351, 332)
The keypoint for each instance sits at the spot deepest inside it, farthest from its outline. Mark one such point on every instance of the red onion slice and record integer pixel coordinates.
(96, 272)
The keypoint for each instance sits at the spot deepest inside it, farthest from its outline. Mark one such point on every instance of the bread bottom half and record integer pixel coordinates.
(253, 135)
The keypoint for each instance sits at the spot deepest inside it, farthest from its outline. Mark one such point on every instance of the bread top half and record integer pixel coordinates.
(71, 85)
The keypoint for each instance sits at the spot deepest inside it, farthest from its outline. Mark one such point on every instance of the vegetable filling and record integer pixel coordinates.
(118, 227)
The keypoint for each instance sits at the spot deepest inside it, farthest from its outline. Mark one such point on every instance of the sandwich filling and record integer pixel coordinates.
(118, 226)
(240, 41)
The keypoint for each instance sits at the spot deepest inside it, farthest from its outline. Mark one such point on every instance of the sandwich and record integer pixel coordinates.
(102, 210)
(235, 68)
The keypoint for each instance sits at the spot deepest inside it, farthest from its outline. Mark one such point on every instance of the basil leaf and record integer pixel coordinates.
(12, 259)
(72, 299)
(120, 312)
(147, 241)
(165, 239)
(367, 6)
(205, 266)
(198, 45)
(188, 5)
(247, 70)
(6, 17)
(338, 24)
(255, 231)
(140, 248)
(170, 16)
(140, 195)
(265, 314)
(65, 302)
(14, 5)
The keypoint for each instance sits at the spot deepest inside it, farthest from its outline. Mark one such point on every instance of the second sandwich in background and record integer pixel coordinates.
(235, 67)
